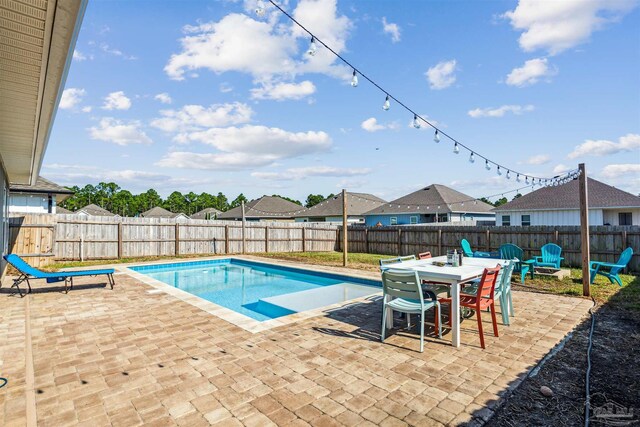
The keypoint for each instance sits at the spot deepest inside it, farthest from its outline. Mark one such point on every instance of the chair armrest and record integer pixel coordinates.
(608, 265)
(537, 258)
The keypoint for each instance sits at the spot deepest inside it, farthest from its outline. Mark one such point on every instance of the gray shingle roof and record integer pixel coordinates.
(566, 196)
(95, 210)
(42, 185)
(61, 210)
(433, 196)
(357, 204)
(211, 212)
(264, 207)
(158, 212)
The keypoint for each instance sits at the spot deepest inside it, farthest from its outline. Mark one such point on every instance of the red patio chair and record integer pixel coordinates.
(483, 299)
(424, 255)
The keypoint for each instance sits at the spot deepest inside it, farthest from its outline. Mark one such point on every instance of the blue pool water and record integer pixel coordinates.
(257, 290)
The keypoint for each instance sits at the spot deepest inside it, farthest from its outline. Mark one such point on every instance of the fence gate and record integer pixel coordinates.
(33, 237)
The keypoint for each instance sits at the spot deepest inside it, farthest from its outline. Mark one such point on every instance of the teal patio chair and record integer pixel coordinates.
(550, 256)
(514, 253)
(502, 291)
(466, 248)
(384, 263)
(407, 258)
(405, 289)
(468, 252)
(611, 270)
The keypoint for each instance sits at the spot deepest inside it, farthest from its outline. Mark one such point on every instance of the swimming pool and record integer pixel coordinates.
(258, 290)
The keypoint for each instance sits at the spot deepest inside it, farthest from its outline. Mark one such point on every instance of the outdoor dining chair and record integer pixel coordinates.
(424, 255)
(610, 271)
(514, 253)
(405, 289)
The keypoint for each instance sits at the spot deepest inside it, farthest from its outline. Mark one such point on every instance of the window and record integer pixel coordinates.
(413, 219)
(624, 218)
(506, 220)
(393, 220)
(526, 220)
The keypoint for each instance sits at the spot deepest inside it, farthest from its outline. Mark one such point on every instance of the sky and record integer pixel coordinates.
(211, 96)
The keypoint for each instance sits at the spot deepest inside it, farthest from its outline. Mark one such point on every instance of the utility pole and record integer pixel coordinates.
(344, 227)
(584, 230)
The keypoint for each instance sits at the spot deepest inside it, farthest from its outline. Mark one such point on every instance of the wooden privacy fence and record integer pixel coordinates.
(45, 238)
(606, 242)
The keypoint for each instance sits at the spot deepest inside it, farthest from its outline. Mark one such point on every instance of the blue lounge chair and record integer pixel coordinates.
(613, 269)
(512, 252)
(550, 256)
(28, 272)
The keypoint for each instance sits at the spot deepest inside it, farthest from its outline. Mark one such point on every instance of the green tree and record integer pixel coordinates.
(122, 203)
(176, 202)
(517, 196)
(501, 201)
(147, 200)
(222, 203)
(238, 201)
(313, 199)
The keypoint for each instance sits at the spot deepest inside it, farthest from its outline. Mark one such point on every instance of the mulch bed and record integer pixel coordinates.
(615, 376)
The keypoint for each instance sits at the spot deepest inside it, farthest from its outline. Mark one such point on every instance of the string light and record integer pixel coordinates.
(354, 79)
(518, 178)
(387, 104)
(260, 10)
(471, 158)
(416, 123)
(508, 176)
(456, 149)
(487, 166)
(499, 172)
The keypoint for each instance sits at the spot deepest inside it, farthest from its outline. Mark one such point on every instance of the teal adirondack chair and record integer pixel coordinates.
(468, 252)
(512, 252)
(466, 248)
(612, 270)
(550, 256)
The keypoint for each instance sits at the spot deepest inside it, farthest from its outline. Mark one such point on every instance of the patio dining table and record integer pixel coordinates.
(471, 268)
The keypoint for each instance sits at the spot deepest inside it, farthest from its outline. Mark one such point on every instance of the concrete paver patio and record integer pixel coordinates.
(128, 357)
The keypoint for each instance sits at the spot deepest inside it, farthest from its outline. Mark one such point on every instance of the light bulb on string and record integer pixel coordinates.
(456, 149)
(526, 180)
(416, 122)
(436, 137)
(499, 171)
(487, 166)
(260, 9)
(354, 79)
(312, 47)
(387, 104)
(518, 178)
(471, 158)
(508, 176)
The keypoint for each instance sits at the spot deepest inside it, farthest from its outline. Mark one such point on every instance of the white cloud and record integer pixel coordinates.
(246, 147)
(500, 111)
(71, 97)
(79, 56)
(372, 125)
(540, 159)
(603, 147)
(305, 172)
(442, 75)
(424, 126)
(621, 170)
(119, 132)
(531, 72)
(560, 169)
(225, 87)
(116, 101)
(555, 26)
(197, 117)
(116, 52)
(283, 91)
(87, 109)
(392, 29)
(163, 97)
(231, 44)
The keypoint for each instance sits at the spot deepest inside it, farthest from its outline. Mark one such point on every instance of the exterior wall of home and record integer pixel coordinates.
(333, 219)
(467, 216)
(31, 203)
(403, 219)
(611, 216)
(4, 217)
(551, 217)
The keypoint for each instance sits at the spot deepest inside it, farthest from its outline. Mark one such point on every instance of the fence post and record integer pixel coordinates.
(488, 248)
(226, 239)
(177, 244)
(266, 239)
(399, 241)
(119, 240)
(366, 240)
(584, 231)
(439, 241)
(345, 228)
(304, 239)
(556, 235)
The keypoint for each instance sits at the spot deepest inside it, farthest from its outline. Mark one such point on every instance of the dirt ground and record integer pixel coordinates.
(615, 376)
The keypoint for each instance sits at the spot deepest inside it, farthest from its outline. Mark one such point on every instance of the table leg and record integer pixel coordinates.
(455, 314)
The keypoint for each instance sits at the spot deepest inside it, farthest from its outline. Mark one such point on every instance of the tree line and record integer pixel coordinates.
(113, 198)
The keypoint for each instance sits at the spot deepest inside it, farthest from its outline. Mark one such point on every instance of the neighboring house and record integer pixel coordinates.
(208, 213)
(435, 203)
(63, 211)
(37, 43)
(561, 206)
(330, 210)
(94, 210)
(42, 197)
(266, 208)
(159, 212)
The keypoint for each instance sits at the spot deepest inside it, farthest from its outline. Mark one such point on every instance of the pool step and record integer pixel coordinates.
(320, 297)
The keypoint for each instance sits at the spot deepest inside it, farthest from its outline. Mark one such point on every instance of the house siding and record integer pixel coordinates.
(31, 203)
(403, 219)
(611, 217)
(551, 217)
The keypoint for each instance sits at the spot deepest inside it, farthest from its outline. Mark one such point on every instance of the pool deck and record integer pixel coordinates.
(139, 355)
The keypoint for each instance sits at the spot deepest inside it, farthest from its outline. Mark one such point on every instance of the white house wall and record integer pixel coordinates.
(611, 216)
(30, 203)
(552, 217)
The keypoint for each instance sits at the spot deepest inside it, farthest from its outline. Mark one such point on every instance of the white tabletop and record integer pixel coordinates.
(470, 268)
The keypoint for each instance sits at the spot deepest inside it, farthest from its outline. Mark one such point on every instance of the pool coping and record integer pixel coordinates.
(237, 319)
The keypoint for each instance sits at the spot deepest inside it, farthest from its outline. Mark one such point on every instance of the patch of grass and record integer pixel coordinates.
(369, 262)
(75, 264)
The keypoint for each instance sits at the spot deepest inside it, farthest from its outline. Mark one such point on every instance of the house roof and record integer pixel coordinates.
(357, 204)
(264, 207)
(204, 212)
(95, 210)
(158, 212)
(37, 41)
(61, 210)
(427, 200)
(566, 196)
(42, 185)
